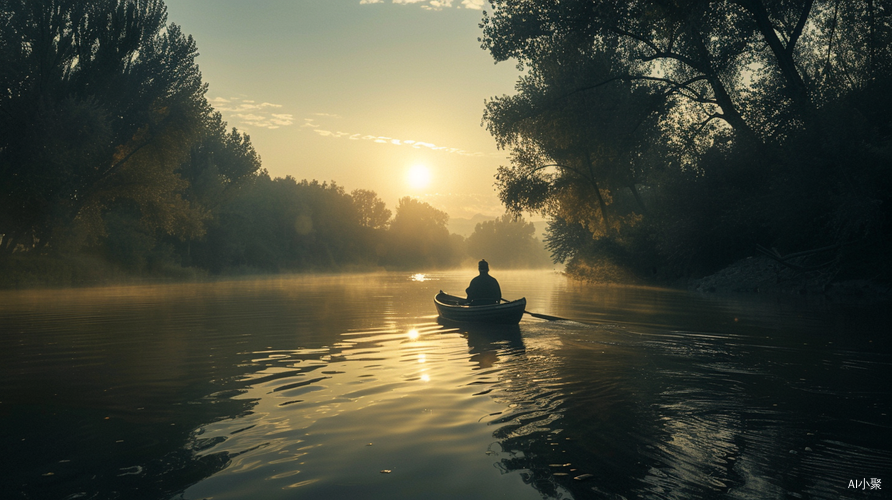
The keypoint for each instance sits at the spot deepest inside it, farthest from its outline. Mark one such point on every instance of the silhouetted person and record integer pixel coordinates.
(484, 289)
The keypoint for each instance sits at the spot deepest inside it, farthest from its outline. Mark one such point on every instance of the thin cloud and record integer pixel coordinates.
(282, 119)
(380, 139)
(329, 133)
(434, 4)
(248, 113)
(440, 4)
(271, 122)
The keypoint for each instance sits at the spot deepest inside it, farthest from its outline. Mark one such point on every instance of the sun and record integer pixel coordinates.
(419, 177)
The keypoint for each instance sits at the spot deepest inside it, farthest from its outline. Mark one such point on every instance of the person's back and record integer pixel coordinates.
(484, 289)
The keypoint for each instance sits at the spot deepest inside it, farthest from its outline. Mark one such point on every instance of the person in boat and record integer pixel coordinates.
(484, 289)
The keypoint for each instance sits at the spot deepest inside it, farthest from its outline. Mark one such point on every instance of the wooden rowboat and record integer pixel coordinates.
(457, 309)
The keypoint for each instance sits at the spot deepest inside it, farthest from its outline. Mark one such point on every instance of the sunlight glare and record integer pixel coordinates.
(419, 177)
(413, 334)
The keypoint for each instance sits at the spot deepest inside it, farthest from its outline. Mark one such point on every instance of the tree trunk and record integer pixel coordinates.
(637, 196)
(871, 41)
(603, 206)
(729, 111)
(784, 55)
(7, 246)
(601, 202)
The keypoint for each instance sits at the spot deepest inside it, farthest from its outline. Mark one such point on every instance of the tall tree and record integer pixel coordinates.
(103, 100)
(221, 165)
(373, 212)
(507, 242)
(573, 141)
(419, 237)
(770, 117)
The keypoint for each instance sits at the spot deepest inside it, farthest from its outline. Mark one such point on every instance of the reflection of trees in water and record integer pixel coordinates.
(554, 429)
(676, 415)
(568, 419)
(598, 421)
(107, 394)
(90, 442)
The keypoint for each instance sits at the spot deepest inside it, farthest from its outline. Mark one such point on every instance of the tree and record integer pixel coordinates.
(765, 121)
(507, 242)
(220, 166)
(571, 143)
(696, 50)
(418, 236)
(373, 213)
(219, 161)
(103, 100)
(285, 224)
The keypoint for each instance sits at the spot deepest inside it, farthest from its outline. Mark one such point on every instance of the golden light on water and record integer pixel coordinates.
(413, 334)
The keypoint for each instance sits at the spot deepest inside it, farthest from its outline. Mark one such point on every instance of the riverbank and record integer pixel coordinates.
(84, 270)
(766, 276)
(751, 275)
(79, 270)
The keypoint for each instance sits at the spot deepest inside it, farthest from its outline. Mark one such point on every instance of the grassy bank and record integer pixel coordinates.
(46, 271)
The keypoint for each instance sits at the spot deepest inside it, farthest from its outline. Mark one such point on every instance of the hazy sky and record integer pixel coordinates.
(358, 91)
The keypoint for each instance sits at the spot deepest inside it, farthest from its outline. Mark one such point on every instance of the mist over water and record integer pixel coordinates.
(340, 386)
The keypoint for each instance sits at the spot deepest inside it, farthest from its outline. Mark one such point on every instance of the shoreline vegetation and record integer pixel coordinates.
(749, 276)
(736, 147)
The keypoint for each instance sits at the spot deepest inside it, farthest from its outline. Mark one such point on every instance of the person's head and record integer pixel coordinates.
(483, 266)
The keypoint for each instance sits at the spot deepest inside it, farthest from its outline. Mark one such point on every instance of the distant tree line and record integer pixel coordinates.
(110, 151)
(673, 138)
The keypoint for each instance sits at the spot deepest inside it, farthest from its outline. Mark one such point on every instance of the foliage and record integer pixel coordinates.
(571, 144)
(418, 237)
(507, 242)
(218, 163)
(686, 132)
(373, 212)
(102, 101)
(281, 224)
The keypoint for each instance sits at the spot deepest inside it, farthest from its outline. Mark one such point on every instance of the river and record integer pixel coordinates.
(348, 386)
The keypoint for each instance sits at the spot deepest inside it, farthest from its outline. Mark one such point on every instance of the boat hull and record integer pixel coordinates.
(455, 308)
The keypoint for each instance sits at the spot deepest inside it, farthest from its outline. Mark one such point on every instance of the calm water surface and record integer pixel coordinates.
(347, 386)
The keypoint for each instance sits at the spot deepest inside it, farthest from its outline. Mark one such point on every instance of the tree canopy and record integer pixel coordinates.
(102, 101)
(419, 237)
(687, 132)
(373, 212)
(507, 242)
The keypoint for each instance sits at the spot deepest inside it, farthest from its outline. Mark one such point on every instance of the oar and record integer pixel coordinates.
(542, 316)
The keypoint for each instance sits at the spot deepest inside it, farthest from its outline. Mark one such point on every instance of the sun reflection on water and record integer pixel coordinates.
(306, 370)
